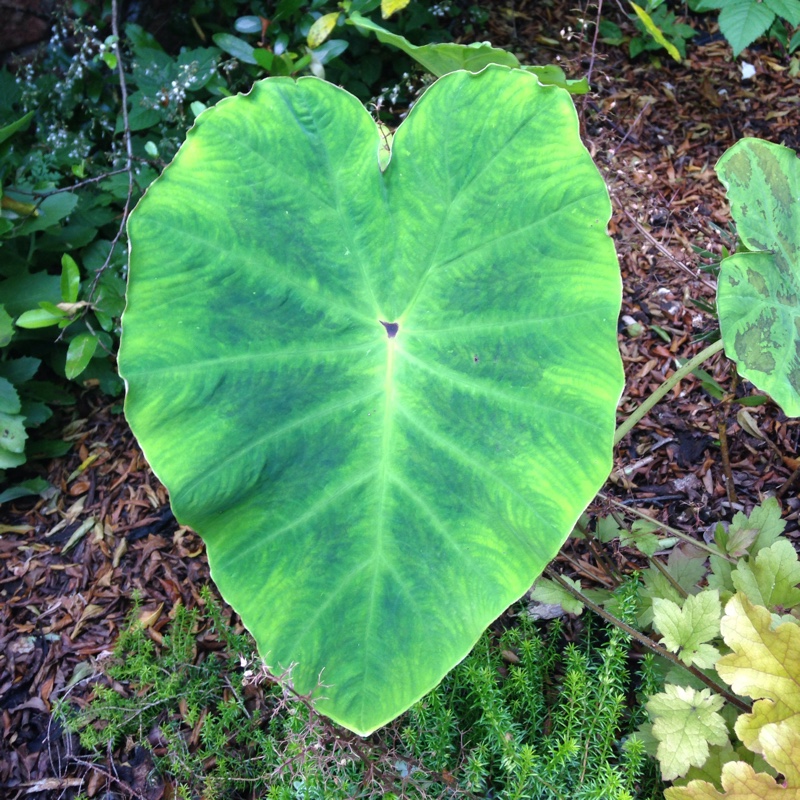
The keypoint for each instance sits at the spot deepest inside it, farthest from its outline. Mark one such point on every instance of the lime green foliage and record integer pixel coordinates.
(743, 21)
(764, 665)
(772, 578)
(758, 296)
(687, 630)
(659, 29)
(756, 573)
(368, 395)
(655, 31)
(766, 569)
(440, 59)
(526, 714)
(686, 721)
(747, 535)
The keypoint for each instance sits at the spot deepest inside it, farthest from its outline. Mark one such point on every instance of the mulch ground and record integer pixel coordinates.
(70, 563)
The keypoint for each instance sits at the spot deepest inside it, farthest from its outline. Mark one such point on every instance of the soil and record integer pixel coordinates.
(70, 563)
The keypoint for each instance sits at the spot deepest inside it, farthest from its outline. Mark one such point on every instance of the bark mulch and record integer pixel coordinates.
(70, 563)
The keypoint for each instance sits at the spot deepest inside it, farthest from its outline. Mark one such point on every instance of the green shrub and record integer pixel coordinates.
(526, 715)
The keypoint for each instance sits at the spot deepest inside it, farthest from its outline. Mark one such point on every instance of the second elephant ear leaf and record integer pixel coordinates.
(381, 392)
(444, 57)
(758, 296)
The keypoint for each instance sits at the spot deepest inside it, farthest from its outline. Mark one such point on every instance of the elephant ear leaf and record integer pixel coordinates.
(758, 296)
(383, 392)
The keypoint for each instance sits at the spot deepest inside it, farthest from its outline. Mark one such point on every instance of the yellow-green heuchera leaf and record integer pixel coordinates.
(758, 296)
(781, 742)
(687, 629)
(764, 665)
(685, 722)
(771, 578)
(382, 396)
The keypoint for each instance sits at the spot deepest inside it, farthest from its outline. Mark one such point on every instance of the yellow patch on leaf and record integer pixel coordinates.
(388, 7)
(321, 29)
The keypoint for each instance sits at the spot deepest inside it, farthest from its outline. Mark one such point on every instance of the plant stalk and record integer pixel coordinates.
(624, 428)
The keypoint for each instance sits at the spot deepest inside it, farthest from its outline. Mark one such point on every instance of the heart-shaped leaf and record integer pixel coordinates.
(382, 398)
(758, 296)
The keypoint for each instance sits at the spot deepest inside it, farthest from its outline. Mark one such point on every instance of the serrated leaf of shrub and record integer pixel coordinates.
(741, 782)
(641, 537)
(764, 665)
(547, 591)
(685, 630)
(711, 771)
(749, 534)
(687, 564)
(607, 529)
(685, 722)
(720, 577)
(772, 579)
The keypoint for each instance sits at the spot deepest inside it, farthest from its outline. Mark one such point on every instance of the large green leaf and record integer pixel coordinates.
(759, 292)
(382, 398)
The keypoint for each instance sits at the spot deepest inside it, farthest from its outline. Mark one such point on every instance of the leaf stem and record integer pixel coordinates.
(624, 428)
(648, 642)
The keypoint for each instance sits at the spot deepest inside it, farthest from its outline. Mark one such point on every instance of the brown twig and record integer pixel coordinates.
(726, 457)
(597, 551)
(788, 485)
(663, 250)
(594, 43)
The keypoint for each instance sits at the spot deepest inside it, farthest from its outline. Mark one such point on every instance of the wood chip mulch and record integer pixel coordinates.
(70, 563)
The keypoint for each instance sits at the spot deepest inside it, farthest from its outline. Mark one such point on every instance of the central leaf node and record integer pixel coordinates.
(391, 328)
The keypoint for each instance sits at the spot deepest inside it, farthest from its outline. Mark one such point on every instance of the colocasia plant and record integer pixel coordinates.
(366, 386)
(379, 374)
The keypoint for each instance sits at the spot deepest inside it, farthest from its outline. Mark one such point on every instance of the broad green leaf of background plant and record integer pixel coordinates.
(741, 782)
(687, 629)
(383, 398)
(79, 354)
(443, 58)
(685, 722)
(764, 665)
(758, 295)
(741, 22)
